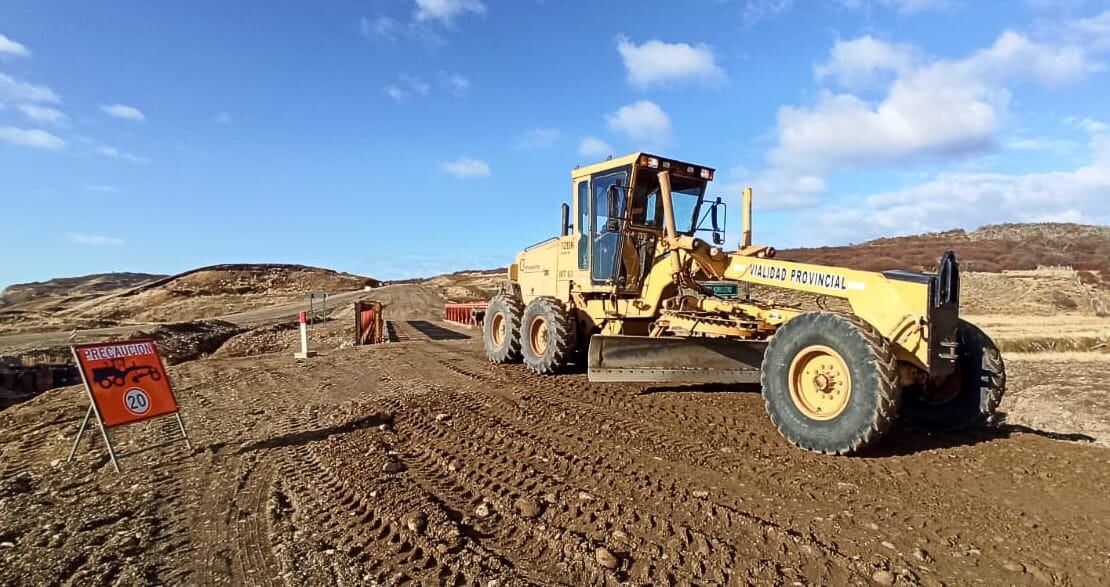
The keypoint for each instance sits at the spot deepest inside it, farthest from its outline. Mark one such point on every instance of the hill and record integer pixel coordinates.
(990, 249)
(200, 293)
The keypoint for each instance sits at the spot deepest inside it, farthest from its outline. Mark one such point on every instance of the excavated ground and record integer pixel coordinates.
(417, 460)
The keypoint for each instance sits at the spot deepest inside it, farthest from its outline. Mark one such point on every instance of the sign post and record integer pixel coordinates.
(127, 383)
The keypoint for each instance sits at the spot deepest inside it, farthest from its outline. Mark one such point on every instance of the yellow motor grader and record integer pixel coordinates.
(625, 285)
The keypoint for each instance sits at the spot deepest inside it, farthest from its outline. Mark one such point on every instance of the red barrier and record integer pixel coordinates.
(468, 314)
(368, 323)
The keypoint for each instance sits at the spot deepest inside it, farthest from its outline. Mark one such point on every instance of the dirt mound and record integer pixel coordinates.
(31, 306)
(218, 290)
(1044, 292)
(468, 286)
(72, 289)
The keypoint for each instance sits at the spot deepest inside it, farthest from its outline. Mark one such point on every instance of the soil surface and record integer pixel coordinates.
(418, 461)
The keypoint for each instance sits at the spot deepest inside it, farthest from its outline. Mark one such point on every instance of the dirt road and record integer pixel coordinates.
(418, 461)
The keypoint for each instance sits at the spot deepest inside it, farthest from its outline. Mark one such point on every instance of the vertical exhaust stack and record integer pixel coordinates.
(668, 204)
(746, 235)
(670, 233)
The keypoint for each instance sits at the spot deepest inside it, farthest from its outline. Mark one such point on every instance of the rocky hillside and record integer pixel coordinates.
(70, 290)
(989, 249)
(201, 293)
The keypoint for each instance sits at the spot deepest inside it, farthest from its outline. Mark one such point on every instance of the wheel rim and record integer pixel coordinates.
(820, 383)
(497, 329)
(537, 335)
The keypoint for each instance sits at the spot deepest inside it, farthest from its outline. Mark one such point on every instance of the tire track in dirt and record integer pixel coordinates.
(656, 534)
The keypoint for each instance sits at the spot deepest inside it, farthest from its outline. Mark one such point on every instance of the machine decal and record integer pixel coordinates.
(820, 279)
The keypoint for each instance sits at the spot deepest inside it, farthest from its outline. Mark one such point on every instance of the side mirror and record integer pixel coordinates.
(613, 224)
(718, 238)
(564, 230)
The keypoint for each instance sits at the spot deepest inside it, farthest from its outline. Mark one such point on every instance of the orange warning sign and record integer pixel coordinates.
(126, 380)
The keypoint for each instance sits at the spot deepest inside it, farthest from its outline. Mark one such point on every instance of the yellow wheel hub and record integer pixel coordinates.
(820, 383)
(537, 334)
(498, 329)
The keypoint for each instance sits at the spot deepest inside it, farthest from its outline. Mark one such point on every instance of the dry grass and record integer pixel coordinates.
(1003, 326)
(1058, 357)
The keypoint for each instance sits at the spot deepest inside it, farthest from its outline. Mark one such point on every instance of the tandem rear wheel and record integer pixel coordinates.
(548, 336)
(501, 329)
(966, 398)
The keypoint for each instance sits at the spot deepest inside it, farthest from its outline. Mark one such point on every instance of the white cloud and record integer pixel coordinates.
(594, 147)
(967, 200)
(222, 118)
(1093, 31)
(36, 138)
(656, 63)
(466, 168)
(858, 62)
(445, 11)
(382, 28)
(903, 6)
(114, 153)
(937, 109)
(643, 122)
(394, 91)
(43, 114)
(539, 138)
(407, 85)
(779, 189)
(123, 111)
(94, 240)
(13, 90)
(757, 10)
(13, 48)
(454, 83)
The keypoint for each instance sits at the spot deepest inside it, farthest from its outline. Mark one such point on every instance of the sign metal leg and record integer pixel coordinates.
(80, 432)
(108, 443)
(184, 434)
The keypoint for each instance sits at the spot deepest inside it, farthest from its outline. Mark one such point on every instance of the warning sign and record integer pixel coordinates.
(126, 380)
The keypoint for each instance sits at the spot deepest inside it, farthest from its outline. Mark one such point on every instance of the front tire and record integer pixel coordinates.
(501, 329)
(830, 383)
(547, 336)
(969, 396)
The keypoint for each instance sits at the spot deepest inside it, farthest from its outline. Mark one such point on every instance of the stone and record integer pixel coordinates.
(454, 466)
(883, 577)
(393, 467)
(886, 544)
(441, 417)
(483, 510)
(1014, 567)
(700, 493)
(922, 555)
(416, 522)
(605, 558)
(529, 508)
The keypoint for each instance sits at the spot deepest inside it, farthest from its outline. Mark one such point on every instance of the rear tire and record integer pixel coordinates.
(830, 383)
(547, 336)
(981, 377)
(501, 329)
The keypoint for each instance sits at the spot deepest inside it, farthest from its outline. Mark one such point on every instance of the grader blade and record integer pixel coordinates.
(674, 359)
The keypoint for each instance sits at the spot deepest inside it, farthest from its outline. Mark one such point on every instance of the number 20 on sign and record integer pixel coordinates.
(126, 383)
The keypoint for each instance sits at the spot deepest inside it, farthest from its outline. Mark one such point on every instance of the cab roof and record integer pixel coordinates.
(615, 162)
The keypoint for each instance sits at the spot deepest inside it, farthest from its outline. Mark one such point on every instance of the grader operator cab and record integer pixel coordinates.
(623, 285)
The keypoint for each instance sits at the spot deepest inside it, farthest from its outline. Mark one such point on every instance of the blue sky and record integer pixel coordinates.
(412, 137)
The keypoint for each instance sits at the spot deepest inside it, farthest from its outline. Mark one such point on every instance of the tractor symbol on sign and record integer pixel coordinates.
(114, 376)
